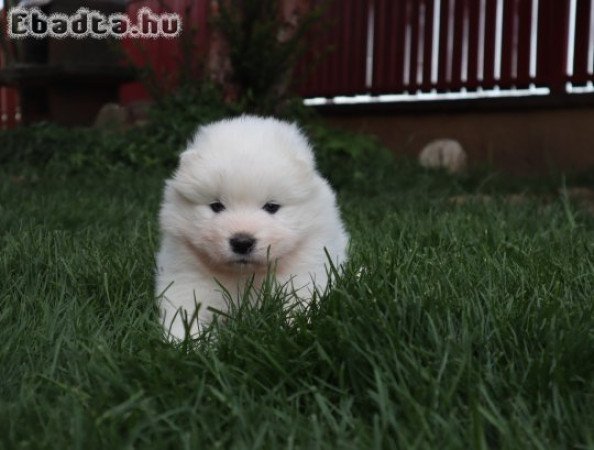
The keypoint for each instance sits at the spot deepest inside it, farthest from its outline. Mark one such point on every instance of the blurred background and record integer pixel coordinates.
(510, 80)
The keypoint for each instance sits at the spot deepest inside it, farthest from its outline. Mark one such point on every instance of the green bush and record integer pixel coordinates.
(157, 144)
(73, 150)
(348, 160)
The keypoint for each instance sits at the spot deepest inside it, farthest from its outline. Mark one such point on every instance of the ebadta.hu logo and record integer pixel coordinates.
(32, 22)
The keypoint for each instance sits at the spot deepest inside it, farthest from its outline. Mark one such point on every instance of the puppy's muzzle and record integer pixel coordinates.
(242, 243)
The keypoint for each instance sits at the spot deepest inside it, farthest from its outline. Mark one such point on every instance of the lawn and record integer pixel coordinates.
(470, 326)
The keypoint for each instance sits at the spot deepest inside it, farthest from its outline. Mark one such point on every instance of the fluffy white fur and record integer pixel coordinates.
(243, 163)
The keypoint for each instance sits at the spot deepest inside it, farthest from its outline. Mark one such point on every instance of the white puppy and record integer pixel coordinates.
(246, 197)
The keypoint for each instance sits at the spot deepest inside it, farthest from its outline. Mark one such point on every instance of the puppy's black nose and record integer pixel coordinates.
(242, 243)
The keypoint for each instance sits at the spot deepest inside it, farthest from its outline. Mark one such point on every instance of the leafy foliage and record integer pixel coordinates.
(261, 62)
(350, 161)
(172, 122)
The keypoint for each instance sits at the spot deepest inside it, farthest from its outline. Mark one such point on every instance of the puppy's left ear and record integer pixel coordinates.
(188, 156)
(301, 146)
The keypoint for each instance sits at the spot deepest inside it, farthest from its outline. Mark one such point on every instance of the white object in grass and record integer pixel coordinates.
(443, 154)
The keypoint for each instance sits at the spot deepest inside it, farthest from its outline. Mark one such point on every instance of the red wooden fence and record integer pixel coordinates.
(406, 47)
(335, 63)
(438, 46)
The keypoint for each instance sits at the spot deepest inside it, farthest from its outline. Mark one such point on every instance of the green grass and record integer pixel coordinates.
(470, 327)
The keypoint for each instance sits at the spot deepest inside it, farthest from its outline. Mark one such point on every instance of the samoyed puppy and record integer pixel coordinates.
(245, 199)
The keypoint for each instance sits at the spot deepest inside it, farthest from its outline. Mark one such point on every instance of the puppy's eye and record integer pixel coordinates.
(271, 208)
(217, 207)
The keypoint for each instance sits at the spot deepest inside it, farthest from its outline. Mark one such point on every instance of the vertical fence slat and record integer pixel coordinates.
(398, 42)
(396, 65)
(345, 69)
(359, 25)
(348, 47)
(412, 19)
(380, 44)
(553, 36)
(524, 40)
(458, 54)
(354, 45)
(419, 60)
(321, 52)
(582, 37)
(508, 44)
(428, 43)
(334, 80)
(328, 63)
(444, 51)
(473, 43)
(489, 51)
